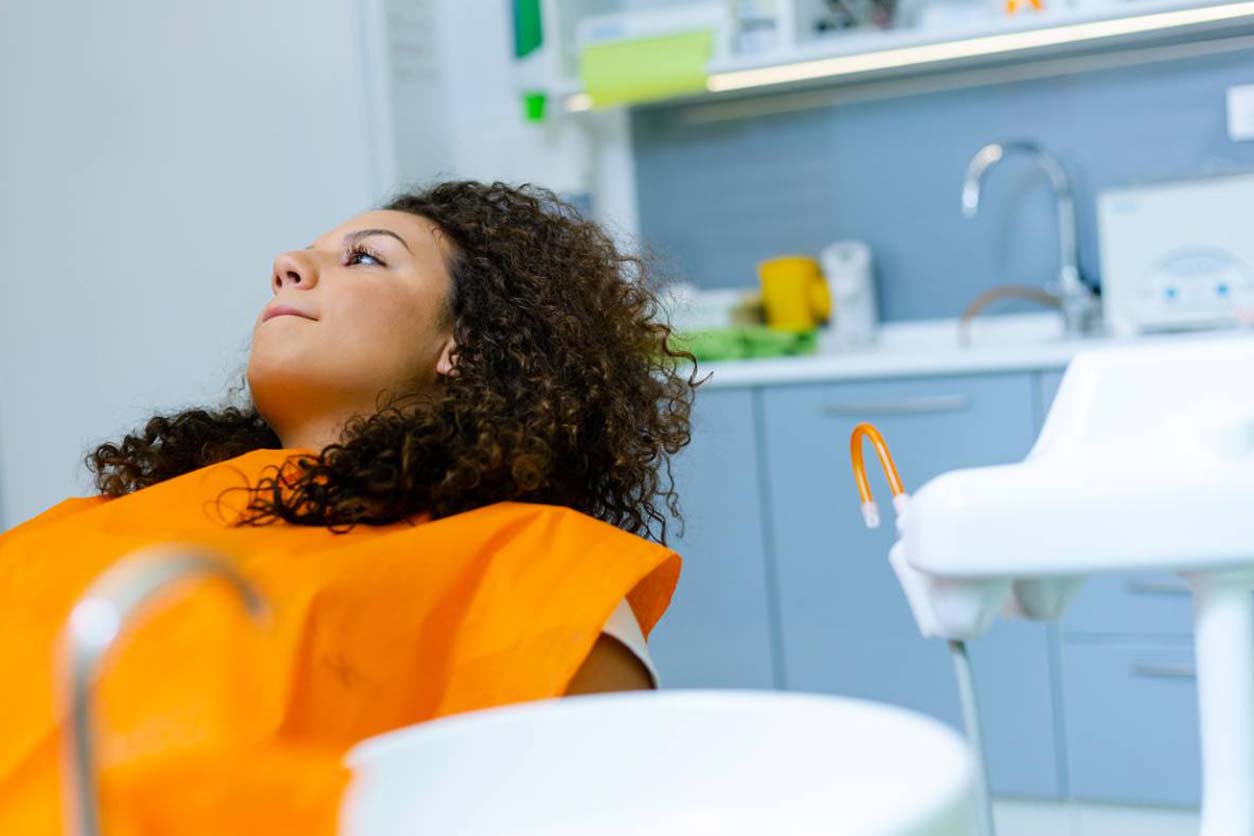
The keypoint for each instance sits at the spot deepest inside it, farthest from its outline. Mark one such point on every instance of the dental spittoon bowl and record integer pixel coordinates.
(678, 762)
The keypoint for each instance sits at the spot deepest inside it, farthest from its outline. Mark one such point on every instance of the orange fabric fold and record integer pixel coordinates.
(213, 724)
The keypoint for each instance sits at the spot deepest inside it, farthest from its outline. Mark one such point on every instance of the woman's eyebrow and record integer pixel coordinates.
(353, 237)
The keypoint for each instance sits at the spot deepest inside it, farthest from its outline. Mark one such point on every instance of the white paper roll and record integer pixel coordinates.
(848, 268)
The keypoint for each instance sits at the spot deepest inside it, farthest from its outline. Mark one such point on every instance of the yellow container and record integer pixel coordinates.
(795, 296)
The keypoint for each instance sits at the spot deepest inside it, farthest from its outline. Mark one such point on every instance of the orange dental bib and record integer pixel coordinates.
(211, 724)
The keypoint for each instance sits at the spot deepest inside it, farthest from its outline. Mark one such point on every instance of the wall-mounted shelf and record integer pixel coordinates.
(859, 56)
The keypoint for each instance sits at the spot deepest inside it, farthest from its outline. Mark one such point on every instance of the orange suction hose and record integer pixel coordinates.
(869, 510)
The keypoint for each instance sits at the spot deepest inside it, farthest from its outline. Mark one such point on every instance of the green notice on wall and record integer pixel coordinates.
(528, 29)
(646, 69)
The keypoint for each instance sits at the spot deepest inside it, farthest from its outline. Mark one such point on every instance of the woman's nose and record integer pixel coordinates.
(293, 269)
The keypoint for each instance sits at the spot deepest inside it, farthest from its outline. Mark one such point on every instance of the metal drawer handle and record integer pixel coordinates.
(1161, 671)
(905, 406)
(1158, 587)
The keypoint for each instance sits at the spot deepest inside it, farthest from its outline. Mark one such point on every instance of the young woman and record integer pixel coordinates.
(451, 485)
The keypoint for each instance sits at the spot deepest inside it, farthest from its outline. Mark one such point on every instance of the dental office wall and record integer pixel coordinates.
(155, 156)
(460, 56)
(719, 192)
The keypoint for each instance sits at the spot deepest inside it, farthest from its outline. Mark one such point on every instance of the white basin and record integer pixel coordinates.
(988, 331)
(697, 762)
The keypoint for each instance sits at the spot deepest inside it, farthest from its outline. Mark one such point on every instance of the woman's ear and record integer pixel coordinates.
(446, 364)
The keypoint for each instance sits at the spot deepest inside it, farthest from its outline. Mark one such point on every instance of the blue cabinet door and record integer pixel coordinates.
(717, 631)
(845, 625)
(1158, 605)
(1132, 729)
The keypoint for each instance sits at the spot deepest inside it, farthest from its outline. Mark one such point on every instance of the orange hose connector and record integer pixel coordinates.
(870, 512)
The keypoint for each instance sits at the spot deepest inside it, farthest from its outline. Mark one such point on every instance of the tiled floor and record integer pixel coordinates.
(1023, 818)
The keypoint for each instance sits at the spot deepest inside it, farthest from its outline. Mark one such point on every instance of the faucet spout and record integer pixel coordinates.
(984, 159)
(94, 625)
(1078, 302)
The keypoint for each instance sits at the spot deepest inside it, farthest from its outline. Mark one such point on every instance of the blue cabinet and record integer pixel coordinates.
(845, 626)
(717, 630)
(1131, 723)
(1145, 605)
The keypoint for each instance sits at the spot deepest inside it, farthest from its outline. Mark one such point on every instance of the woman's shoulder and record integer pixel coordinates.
(64, 508)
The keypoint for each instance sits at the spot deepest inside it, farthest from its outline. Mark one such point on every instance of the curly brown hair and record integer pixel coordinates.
(568, 390)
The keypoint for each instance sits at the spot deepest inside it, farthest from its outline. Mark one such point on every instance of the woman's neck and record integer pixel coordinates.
(312, 434)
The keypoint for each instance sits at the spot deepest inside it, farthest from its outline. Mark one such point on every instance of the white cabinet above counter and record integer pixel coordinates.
(1021, 342)
(636, 52)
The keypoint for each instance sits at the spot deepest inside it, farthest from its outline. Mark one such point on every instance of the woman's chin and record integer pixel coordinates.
(271, 357)
(271, 378)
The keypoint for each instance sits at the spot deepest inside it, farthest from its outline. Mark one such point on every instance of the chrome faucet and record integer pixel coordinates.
(1078, 303)
(93, 627)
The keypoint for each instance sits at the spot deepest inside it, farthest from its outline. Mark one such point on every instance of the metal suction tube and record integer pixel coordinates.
(975, 738)
(95, 623)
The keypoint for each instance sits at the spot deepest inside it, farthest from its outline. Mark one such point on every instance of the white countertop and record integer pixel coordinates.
(1020, 342)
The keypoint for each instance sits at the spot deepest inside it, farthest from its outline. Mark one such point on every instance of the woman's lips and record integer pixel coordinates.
(284, 310)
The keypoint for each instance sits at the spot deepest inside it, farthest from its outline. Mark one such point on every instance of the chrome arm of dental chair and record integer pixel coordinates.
(97, 619)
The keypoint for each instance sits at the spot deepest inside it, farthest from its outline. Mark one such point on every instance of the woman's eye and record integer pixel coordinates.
(355, 256)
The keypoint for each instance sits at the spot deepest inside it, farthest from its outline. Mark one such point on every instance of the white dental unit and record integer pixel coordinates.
(1146, 462)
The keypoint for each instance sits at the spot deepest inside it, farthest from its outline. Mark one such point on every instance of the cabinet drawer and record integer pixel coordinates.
(1147, 605)
(1131, 724)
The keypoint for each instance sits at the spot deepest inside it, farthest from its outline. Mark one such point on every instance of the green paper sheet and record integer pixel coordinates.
(649, 68)
(747, 342)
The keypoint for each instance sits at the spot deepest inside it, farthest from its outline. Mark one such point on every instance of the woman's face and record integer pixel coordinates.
(361, 311)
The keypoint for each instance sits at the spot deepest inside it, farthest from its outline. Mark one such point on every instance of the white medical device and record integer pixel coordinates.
(1177, 255)
(1146, 462)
